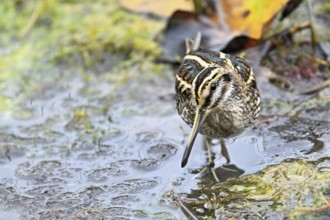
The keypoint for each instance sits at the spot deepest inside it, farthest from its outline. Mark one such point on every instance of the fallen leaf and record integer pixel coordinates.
(232, 26)
(184, 25)
(250, 17)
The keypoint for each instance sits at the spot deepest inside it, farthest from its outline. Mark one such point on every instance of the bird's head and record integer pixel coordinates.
(211, 89)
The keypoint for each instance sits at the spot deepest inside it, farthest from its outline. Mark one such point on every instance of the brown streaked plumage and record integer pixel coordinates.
(216, 95)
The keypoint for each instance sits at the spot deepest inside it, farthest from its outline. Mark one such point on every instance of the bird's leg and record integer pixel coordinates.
(224, 150)
(208, 142)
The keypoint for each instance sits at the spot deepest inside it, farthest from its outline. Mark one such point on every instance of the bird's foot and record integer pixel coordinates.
(228, 162)
(212, 170)
(211, 164)
(214, 175)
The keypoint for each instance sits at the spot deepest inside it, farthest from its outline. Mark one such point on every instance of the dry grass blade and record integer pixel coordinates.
(317, 87)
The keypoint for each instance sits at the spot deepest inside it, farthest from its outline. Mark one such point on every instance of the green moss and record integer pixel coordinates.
(80, 121)
(43, 39)
(5, 103)
(85, 29)
(163, 215)
(278, 103)
(325, 7)
(312, 103)
(106, 28)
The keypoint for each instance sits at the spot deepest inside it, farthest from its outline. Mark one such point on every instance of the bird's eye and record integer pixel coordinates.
(213, 86)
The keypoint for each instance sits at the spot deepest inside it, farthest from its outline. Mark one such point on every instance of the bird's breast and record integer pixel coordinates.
(225, 124)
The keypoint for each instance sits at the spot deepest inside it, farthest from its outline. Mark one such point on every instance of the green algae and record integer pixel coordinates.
(290, 189)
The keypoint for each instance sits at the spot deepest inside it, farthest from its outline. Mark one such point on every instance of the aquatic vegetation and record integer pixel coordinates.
(289, 189)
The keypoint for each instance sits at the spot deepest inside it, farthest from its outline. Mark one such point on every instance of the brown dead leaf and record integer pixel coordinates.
(156, 7)
(182, 25)
(232, 26)
(228, 25)
(251, 17)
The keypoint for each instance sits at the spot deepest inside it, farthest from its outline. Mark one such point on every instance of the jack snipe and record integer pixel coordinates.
(216, 95)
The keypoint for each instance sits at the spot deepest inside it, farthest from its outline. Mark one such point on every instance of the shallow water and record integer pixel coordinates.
(92, 131)
(64, 156)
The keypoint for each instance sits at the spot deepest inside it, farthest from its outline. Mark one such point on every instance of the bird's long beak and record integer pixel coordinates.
(198, 121)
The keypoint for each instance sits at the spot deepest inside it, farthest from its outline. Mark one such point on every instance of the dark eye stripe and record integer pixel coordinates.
(226, 77)
(253, 84)
(208, 81)
(200, 78)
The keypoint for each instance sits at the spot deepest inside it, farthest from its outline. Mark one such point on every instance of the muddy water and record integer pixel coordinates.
(78, 149)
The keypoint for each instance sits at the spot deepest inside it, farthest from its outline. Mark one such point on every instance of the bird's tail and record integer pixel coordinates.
(192, 45)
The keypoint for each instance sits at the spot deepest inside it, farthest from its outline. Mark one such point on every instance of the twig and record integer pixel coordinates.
(319, 61)
(289, 31)
(312, 23)
(324, 199)
(185, 208)
(319, 209)
(276, 38)
(317, 87)
(34, 17)
(325, 98)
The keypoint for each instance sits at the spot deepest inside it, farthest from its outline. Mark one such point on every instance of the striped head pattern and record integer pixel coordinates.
(211, 86)
(216, 82)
